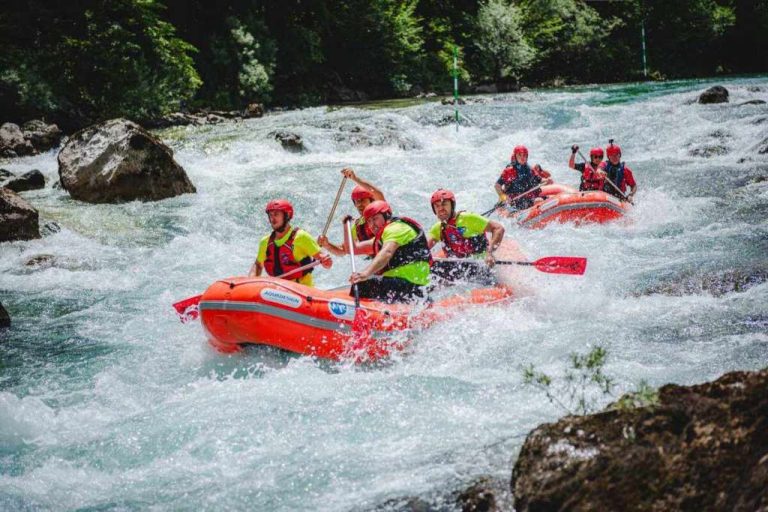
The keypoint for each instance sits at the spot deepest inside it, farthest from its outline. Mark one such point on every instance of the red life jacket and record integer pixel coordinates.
(415, 250)
(456, 244)
(590, 179)
(281, 260)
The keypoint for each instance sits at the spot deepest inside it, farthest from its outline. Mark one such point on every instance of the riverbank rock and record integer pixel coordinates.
(12, 141)
(41, 135)
(18, 220)
(716, 94)
(254, 110)
(32, 180)
(5, 318)
(118, 161)
(290, 141)
(702, 447)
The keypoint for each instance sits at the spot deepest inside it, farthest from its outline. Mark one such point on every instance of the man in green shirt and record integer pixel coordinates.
(463, 235)
(399, 271)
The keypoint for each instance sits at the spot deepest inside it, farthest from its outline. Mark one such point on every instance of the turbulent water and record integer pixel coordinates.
(108, 402)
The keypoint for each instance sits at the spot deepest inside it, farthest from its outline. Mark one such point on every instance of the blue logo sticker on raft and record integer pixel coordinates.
(281, 297)
(343, 310)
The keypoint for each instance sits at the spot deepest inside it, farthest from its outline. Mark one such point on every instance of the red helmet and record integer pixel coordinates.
(521, 150)
(613, 150)
(280, 205)
(359, 193)
(375, 208)
(442, 194)
(596, 152)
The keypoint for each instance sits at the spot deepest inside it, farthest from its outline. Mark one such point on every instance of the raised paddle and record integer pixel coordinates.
(501, 203)
(550, 264)
(333, 208)
(188, 308)
(624, 196)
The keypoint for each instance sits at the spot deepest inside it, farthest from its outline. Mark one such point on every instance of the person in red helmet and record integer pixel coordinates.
(592, 178)
(399, 271)
(287, 248)
(618, 173)
(363, 194)
(519, 178)
(463, 235)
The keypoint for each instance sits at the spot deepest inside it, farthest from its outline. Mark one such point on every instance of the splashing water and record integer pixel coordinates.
(108, 402)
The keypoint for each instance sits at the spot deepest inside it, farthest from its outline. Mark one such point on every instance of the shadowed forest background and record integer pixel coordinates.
(79, 62)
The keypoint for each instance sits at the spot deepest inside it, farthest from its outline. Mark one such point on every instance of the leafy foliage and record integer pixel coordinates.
(78, 62)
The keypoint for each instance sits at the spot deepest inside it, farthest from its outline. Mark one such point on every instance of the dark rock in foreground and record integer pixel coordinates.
(119, 161)
(716, 94)
(716, 283)
(5, 318)
(32, 180)
(701, 447)
(18, 220)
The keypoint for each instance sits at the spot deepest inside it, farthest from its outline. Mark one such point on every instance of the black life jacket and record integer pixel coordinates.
(456, 244)
(525, 180)
(616, 175)
(593, 182)
(415, 250)
(281, 260)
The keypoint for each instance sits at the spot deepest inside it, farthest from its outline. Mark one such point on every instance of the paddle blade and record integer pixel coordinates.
(187, 309)
(561, 265)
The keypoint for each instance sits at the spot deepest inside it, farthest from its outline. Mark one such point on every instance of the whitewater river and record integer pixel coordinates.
(108, 402)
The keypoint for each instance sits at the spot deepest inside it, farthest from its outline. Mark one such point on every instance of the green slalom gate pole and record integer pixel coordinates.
(456, 84)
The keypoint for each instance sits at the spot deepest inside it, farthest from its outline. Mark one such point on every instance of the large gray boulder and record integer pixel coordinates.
(18, 220)
(118, 161)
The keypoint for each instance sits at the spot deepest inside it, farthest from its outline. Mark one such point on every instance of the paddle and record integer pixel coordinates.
(335, 204)
(361, 328)
(624, 196)
(550, 264)
(501, 203)
(187, 308)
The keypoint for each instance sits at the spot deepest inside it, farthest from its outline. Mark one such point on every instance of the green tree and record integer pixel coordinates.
(94, 60)
(500, 42)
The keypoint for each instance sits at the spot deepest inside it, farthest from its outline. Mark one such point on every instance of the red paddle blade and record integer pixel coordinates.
(562, 265)
(187, 309)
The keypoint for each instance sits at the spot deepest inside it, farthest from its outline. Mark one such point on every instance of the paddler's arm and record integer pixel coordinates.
(379, 262)
(378, 195)
(323, 242)
(496, 229)
(431, 242)
(500, 191)
(256, 269)
(325, 260)
(572, 160)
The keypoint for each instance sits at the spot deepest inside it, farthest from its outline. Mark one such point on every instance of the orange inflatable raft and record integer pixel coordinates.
(290, 316)
(563, 204)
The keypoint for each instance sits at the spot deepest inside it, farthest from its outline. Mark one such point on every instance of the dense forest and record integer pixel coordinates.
(80, 61)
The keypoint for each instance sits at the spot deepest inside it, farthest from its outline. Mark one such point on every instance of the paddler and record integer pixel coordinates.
(592, 177)
(287, 248)
(618, 173)
(520, 178)
(399, 271)
(363, 194)
(463, 235)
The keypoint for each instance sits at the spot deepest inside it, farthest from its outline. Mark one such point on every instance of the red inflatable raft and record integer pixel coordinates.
(287, 315)
(563, 204)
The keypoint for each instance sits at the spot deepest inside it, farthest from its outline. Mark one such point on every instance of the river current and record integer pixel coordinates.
(108, 402)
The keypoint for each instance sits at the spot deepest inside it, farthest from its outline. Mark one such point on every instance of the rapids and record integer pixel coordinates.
(108, 402)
